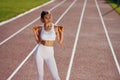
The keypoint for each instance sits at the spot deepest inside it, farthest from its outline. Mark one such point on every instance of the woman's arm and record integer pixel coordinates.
(36, 31)
(60, 34)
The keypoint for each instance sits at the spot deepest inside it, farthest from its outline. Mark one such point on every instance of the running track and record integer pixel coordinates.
(91, 49)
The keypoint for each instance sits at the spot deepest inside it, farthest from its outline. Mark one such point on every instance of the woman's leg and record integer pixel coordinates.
(53, 68)
(40, 66)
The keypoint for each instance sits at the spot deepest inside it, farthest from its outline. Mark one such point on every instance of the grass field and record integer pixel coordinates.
(11, 8)
(113, 3)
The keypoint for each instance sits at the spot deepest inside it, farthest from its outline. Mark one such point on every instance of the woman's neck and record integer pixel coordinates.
(48, 26)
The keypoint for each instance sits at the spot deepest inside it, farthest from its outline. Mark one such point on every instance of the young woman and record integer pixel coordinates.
(45, 36)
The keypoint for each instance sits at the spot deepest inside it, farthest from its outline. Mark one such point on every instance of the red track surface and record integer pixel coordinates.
(93, 59)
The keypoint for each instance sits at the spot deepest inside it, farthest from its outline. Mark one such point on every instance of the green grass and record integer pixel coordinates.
(12, 8)
(113, 3)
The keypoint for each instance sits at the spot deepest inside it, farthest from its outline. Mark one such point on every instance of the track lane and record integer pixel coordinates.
(75, 42)
(93, 59)
(108, 39)
(112, 22)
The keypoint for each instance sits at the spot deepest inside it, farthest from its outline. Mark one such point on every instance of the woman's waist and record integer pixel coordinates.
(49, 43)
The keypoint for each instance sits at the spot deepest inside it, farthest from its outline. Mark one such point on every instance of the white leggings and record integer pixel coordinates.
(44, 53)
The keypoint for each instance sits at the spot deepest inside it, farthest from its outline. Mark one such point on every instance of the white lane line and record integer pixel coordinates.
(65, 12)
(26, 26)
(23, 62)
(76, 40)
(108, 38)
(14, 18)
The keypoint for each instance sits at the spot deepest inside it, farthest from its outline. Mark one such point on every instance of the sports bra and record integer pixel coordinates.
(50, 35)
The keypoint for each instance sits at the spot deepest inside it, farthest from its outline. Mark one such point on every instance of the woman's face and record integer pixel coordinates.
(47, 19)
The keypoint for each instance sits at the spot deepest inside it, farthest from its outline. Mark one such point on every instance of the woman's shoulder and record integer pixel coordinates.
(55, 26)
(37, 28)
(59, 27)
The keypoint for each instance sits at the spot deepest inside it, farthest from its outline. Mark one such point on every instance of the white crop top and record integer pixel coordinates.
(50, 35)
